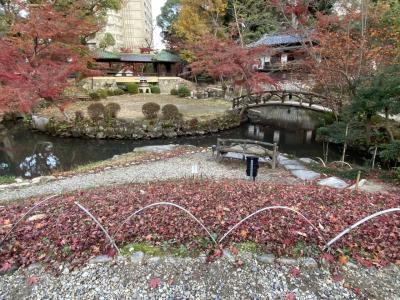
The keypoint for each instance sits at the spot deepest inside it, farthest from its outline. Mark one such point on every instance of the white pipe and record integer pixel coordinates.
(322, 161)
(23, 217)
(342, 162)
(112, 242)
(346, 231)
(265, 209)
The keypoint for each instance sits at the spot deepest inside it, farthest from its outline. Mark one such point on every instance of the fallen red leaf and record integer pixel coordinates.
(295, 272)
(290, 296)
(32, 280)
(6, 267)
(155, 283)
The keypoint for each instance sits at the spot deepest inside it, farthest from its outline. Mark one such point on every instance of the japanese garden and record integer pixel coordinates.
(211, 149)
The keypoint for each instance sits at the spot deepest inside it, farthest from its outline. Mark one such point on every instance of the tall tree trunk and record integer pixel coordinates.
(237, 24)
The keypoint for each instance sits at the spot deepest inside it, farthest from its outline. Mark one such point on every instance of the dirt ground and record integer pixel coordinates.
(131, 106)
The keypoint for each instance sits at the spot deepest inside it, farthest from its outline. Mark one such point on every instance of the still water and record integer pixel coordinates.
(29, 154)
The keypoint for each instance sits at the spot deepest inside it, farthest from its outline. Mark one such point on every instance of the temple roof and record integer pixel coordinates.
(278, 39)
(160, 56)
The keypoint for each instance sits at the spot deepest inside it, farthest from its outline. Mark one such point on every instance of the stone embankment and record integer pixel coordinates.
(121, 129)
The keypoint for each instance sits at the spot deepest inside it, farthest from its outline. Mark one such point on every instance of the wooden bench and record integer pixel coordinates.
(248, 148)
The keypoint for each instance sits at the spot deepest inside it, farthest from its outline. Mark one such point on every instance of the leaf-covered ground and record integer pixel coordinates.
(65, 233)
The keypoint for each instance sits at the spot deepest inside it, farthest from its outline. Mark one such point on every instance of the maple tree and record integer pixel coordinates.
(346, 52)
(39, 55)
(225, 59)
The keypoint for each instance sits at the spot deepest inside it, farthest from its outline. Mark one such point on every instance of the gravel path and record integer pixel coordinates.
(192, 278)
(174, 168)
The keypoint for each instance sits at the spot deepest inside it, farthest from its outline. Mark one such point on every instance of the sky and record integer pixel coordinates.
(156, 5)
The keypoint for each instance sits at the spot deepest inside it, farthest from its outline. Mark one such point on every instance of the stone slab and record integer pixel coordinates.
(334, 182)
(307, 160)
(287, 162)
(294, 167)
(306, 175)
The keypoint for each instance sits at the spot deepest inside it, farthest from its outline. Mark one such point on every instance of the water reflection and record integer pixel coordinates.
(300, 141)
(26, 153)
(42, 162)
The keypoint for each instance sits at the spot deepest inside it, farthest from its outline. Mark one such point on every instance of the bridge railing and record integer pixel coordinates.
(306, 98)
(245, 147)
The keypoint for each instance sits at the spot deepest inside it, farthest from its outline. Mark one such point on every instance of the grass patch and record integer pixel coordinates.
(118, 161)
(166, 249)
(248, 246)
(7, 179)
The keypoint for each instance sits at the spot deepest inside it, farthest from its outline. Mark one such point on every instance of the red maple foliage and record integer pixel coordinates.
(218, 204)
(225, 59)
(40, 54)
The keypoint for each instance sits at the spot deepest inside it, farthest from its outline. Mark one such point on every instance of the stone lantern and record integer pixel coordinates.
(144, 86)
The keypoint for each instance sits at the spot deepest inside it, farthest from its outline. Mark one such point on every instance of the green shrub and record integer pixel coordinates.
(111, 110)
(94, 96)
(397, 175)
(132, 88)
(150, 110)
(96, 111)
(118, 92)
(79, 116)
(110, 93)
(170, 112)
(391, 152)
(155, 89)
(174, 92)
(183, 91)
(103, 94)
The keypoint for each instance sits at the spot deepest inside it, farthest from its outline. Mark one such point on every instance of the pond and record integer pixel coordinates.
(27, 153)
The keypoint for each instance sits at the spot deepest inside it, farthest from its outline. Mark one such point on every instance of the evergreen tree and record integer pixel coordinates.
(169, 14)
(255, 19)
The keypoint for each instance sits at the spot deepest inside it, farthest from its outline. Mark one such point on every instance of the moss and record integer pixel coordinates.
(248, 246)
(166, 249)
(6, 180)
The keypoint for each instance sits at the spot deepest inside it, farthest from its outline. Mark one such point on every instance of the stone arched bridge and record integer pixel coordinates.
(306, 100)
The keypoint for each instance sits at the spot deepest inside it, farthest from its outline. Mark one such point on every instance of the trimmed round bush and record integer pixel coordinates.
(174, 92)
(79, 116)
(155, 89)
(150, 110)
(94, 96)
(111, 110)
(118, 92)
(103, 94)
(96, 111)
(183, 91)
(132, 88)
(193, 123)
(170, 112)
